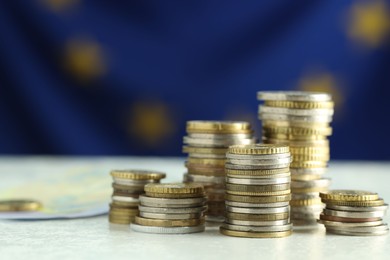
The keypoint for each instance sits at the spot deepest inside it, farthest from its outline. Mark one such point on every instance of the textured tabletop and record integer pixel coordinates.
(95, 238)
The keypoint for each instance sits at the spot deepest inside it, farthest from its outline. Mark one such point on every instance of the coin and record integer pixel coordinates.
(354, 214)
(170, 216)
(215, 142)
(349, 195)
(326, 131)
(300, 104)
(306, 202)
(265, 162)
(13, 205)
(168, 223)
(257, 223)
(256, 205)
(324, 182)
(228, 165)
(257, 217)
(283, 117)
(360, 209)
(293, 96)
(344, 219)
(264, 181)
(174, 195)
(350, 233)
(218, 127)
(204, 150)
(257, 149)
(137, 174)
(172, 203)
(257, 156)
(175, 188)
(258, 229)
(167, 210)
(259, 199)
(349, 224)
(367, 229)
(295, 112)
(265, 193)
(202, 178)
(167, 230)
(366, 203)
(254, 234)
(257, 188)
(258, 210)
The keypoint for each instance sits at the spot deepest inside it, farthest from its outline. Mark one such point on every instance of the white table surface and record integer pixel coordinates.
(95, 238)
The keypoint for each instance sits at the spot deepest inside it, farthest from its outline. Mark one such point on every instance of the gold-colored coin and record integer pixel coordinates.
(298, 143)
(175, 188)
(169, 223)
(305, 202)
(300, 104)
(232, 172)
(275, 123)
(311, 157)
(257, 149)
(124, 204)
(204, 150)
(349, 195)
(206, 161)
(308, 164)
(326, 131)
(13, 205)
(265, 193)
(257, 217)
(137, 174)
(259, 199)
(257, 188)
(289, 137)
(223, 127)
(174, 195)
(367, 203)
(309, 150)
(232, 233)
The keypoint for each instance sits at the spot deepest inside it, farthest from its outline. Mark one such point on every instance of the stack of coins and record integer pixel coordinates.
(174, 208)
(128, 185)
(353, 213)
(206, 145)
(257, 191)
(300, 120)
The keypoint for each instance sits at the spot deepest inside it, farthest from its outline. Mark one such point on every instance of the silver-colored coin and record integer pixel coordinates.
(304, 171)
(305, 196)
(335, 224)
(204, 178)
(268, 181)
(264, 162)
(170, 216)
(216, 143)
(167, 230)
(354, 214)
(324, 182)
(382, 227)
(295, 112)
(124, 199)
(256, 205)
(258, 210)
(293, 96)
(172, 203)
(258, 157)
(361, 209)
(220, 136)
(130, 182)
(279, 228)
(172, 210)
(264, 177)
(217, 219)
(257, 223)
(305, 216)
(255, 167)
(280, 117)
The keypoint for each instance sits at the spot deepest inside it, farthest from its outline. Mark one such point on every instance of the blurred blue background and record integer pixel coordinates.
(91, 77)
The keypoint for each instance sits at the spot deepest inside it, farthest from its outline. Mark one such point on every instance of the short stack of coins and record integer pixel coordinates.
(206, 144)
(257, 191)
(128, 186)
(171, 208)
(300, 120)
(353, 213)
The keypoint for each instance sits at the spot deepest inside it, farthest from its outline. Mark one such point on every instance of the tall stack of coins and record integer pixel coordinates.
(257, 191)
(128, 185)
(300, 120)
(172, 208)
(206, 145)
(353, 213)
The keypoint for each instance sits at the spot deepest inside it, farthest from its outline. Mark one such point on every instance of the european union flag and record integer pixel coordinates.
(122, 77)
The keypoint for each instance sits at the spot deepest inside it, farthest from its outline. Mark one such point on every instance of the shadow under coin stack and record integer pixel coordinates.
(206, 145)
(128, 185)
(301, 120)
(257, 191)
(171, 208)
(353, 213)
